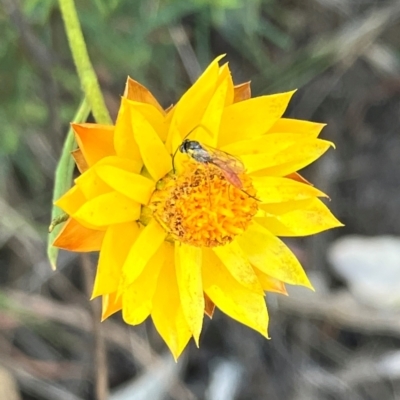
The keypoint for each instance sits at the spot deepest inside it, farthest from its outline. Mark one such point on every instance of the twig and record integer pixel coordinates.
(342, 310)
(100, 357)
(79, 318)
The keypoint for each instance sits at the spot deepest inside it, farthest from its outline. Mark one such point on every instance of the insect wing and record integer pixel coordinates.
(201, 155)
(224, 160)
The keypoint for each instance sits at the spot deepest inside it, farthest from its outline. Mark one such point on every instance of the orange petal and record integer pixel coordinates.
(297, 177)
(79, 160)
(242, 92)
(209, 306)
(110, 305)
(137, 92)
(117, 243)
(95, 141)
(75, 237)
(167, 312)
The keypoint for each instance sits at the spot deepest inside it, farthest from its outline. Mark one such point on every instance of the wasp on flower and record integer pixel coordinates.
(229, 165)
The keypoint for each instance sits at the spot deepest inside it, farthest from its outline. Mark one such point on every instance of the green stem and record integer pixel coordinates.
(87, 76)
(62, 181)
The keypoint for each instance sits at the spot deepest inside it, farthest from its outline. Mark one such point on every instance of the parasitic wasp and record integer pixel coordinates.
(229, 165)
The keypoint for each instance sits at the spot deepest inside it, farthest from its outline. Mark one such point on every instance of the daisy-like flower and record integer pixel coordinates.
(177, 241)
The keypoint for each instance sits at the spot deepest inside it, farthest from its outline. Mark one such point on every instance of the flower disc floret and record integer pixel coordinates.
(202, 208)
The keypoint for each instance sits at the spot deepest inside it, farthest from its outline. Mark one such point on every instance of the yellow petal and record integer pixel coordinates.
(269, 145)
(107, 209)
(123, 163)
(242, 92)
(225, 75)
(311, 217)
(71, 201)
(137, 299)
(91, 185)
(290, 160)
(110, 305)
(238, 265)
(251, 118)
(153, 116)
(154, 154)
(274, 209)
(75, 237)
(190, 109)
(232, 298)
(167, 312)
(124, 141)
(146, 245)
(188, 272)
(272, 189)
(134, 186)
(297, 125)
(212, 116)
(95, 141)
(271, 256)
(116, 245)
(137, 92)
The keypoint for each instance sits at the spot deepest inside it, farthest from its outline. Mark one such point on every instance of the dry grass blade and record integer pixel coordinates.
(80, 318)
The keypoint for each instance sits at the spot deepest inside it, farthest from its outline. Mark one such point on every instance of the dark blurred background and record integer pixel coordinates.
(341, 342)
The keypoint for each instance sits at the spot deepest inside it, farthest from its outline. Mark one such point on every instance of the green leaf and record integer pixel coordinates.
(63, 179)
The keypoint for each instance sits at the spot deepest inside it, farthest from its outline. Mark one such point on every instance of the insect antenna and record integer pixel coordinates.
(248, 194)
(173, 159)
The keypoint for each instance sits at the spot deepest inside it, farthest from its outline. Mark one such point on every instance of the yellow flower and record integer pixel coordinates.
(175, 242)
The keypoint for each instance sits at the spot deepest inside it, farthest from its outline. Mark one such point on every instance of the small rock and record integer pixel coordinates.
(371, 267)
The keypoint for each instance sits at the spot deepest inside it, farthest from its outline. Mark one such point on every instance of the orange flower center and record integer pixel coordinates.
(201, 207)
